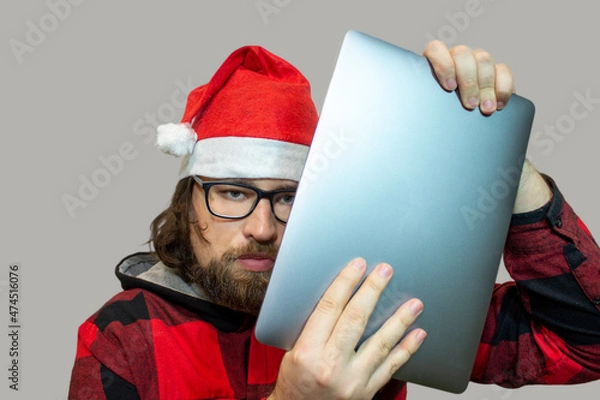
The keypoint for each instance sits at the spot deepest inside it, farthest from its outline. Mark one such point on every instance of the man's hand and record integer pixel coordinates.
(480, 81)
(324, 363)
(483, 83)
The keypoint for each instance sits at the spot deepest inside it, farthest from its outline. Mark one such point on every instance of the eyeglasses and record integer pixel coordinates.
(236, 200)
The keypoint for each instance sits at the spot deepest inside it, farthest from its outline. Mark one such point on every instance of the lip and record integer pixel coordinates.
(256, 262)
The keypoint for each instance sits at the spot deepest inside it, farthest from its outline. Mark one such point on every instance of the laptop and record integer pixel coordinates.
(400, 172)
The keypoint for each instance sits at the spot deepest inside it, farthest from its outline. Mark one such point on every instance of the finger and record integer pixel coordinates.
(466, 76)
(322, 321)
(505, 85)
(486, 78)
(384, 346)
(439, 56)
(352, 322)
(379, 346)
(398, 357)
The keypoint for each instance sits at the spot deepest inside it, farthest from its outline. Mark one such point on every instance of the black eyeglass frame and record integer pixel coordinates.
(261, 194)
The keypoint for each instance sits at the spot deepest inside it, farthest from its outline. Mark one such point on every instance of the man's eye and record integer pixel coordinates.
(287, 198)
(234, 195)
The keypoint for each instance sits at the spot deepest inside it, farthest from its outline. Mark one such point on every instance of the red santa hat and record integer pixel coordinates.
(255, 118)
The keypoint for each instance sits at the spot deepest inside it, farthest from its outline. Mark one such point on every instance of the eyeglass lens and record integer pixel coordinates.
(236, 201)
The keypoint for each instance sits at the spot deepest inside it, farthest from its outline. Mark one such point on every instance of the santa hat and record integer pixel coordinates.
(255, 118)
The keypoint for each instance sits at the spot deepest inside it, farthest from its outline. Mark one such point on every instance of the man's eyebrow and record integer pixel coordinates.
(252, 182)
(290, 186)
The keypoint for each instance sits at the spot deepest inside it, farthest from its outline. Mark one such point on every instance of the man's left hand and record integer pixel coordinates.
(480, 81)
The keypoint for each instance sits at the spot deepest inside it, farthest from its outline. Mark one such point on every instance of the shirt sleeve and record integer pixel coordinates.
(115, 355)
(92, 379)
(544, 327)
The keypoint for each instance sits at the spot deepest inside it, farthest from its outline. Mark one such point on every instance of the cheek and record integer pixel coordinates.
(220, 232)
(221, 235)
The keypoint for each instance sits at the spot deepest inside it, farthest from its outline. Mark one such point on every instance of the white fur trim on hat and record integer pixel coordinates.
(176, 139)
(246, 157)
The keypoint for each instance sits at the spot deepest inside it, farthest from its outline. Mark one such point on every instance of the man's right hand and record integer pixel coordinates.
(324, 363)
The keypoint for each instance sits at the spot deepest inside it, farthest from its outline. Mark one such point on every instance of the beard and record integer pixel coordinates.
(234, 288)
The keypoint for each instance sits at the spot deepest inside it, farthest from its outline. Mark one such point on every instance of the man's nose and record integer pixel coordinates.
(261, 223)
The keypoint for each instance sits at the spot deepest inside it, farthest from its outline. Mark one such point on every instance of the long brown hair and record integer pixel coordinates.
(170, 230)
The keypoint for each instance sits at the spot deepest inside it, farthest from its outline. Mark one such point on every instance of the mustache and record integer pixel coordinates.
(269, 250)
(235, 288)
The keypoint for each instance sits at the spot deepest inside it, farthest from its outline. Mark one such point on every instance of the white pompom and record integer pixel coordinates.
(176, 139)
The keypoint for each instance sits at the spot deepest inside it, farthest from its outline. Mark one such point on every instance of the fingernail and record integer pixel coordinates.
(358, 264)
(451, 83)
(385, 270)
(472, 102)
(421, 335)
(488, 105)
(500, 105)
(416, 307)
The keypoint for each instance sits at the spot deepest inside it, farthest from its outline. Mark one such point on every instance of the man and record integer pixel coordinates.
(183, 327)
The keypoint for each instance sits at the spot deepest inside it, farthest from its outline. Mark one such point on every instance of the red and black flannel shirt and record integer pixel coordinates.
(544, 328)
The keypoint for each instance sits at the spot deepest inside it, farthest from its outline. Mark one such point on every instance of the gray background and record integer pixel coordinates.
(104, 68)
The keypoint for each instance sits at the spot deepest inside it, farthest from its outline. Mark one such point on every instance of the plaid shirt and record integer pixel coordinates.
(149, 342)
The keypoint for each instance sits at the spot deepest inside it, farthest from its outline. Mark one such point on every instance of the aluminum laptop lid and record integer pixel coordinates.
(400, 172)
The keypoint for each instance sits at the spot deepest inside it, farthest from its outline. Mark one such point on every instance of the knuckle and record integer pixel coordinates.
(407, 348)
(373, 284)
(486, 68)
(487, 92)
(384, 347)
(324, 375)
(504, 74)
(470, 83)
(406, 319)
(327, 305)
(431, 45)
(483, 56)
(435, 46)
(395, 364)
(469, 87)
(349, 277)
(300, 356)
(356, 316)
(504, 68)
(460, 50)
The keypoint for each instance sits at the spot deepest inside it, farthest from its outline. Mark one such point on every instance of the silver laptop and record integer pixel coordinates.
(400, 172)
